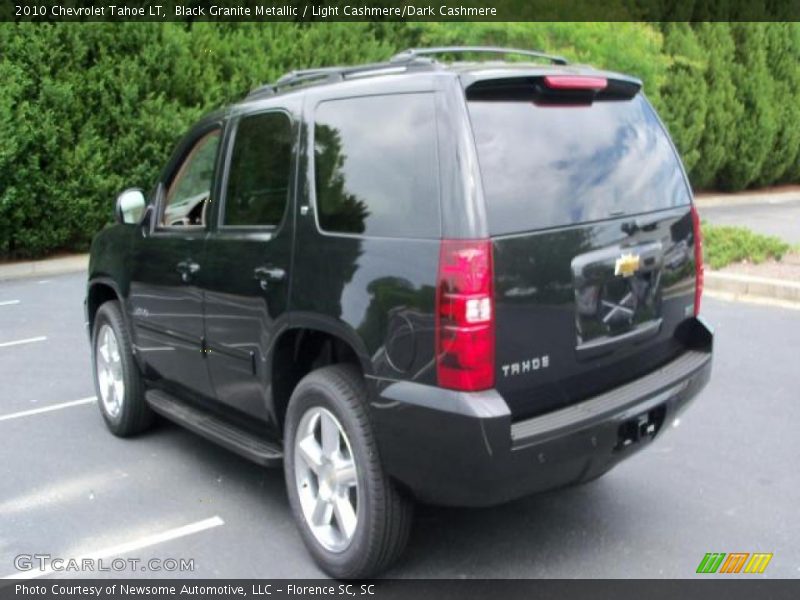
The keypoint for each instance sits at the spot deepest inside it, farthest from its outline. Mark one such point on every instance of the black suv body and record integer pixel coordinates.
(488, 275)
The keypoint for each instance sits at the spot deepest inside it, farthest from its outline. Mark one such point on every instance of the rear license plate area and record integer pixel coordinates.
(641, 428)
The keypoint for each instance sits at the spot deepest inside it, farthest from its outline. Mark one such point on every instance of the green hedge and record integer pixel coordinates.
(88, 109)
(724, 244)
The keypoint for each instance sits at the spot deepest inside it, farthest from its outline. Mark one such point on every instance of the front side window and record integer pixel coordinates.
(376, 166)
(259, 175)
(189, 191)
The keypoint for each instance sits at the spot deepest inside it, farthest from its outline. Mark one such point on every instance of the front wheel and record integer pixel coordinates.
(352, 519)
(119, 385)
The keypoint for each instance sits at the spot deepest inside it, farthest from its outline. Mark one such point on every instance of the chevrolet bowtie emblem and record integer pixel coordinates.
(626, 265)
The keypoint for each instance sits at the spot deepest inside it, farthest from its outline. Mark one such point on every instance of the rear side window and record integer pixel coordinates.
(557, 165)
(258, 179)
(376, 166)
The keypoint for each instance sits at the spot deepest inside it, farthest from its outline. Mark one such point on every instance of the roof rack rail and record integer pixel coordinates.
(415, 53)
(401, 62)
(334, 74)
(301, 76)
(262, 90)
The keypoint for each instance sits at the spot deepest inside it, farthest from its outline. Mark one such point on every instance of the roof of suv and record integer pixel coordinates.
(418, 60)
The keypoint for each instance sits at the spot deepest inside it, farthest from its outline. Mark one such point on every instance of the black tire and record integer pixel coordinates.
(383, 514)
(134, 416)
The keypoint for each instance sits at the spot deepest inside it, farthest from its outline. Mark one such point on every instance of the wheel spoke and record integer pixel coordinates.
(345, 515)
(330, 436)
(117, 370)
(346, 473)
(104, 356)
(311, 453)
(322, 512)
(107, 341)
(110, 385)
(119, 392)
(102, 379)
(114, 350)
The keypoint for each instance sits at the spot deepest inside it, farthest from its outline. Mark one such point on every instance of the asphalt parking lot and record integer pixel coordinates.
(725, 480)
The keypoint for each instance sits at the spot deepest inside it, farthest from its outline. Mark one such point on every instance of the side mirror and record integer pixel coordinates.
(130, 206)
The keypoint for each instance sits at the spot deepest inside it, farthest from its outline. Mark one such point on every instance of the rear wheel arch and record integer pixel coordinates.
(300, 350)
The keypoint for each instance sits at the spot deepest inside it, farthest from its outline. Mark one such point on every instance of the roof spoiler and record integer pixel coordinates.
(554, 89)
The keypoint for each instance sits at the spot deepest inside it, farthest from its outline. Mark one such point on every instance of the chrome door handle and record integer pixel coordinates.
(187, 268)
(266, 274)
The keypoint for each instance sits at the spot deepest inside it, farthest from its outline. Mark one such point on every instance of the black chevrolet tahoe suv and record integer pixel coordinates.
(451, 282)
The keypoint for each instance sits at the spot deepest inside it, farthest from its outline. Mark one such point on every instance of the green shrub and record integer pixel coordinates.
(783, 52)
(87, 109)
(753, 135)
(724, 109)
(723, 245)
(684, 94)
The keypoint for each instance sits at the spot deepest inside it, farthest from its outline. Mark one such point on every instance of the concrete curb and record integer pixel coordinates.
(44, 268)
(747, 287)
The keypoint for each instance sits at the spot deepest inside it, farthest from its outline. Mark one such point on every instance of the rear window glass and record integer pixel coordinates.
(376, 166)
(551, 166)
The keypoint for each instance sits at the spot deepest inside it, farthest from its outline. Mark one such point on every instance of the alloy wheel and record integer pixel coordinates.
(110, 379)
(327, 479)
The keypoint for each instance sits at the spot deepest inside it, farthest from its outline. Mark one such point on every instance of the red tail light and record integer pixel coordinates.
(465, 316)
(698, 260)
(575, 82)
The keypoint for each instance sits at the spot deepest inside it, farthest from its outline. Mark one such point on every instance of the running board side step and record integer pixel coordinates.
(213, 428)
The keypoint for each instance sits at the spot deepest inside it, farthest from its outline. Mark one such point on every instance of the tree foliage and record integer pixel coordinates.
(754, 134)
(724, 107)
(783, 55)
(88, 109)
(685, 91)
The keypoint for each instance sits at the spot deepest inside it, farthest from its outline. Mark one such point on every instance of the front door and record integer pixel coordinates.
(166, 300)
(248, 257)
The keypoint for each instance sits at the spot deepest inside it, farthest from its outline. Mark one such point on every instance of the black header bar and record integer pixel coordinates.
(398, 10)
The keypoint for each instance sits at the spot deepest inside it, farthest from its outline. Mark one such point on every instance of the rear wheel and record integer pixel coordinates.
(119, 386)
(352, 518)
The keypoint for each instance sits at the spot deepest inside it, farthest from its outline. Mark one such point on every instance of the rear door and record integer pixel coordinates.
(589, 213)
(248, 258)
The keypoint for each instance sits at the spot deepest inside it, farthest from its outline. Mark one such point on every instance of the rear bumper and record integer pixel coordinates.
(461, 449)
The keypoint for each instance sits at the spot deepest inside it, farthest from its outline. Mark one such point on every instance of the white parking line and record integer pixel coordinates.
(41, 338)
(150, 540)
(9, 302)
(44, 409)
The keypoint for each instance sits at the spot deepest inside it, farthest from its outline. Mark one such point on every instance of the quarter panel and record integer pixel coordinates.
(381, 289)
